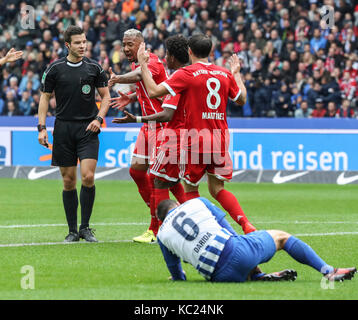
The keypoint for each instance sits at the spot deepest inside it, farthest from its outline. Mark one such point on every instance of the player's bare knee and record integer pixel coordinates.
(214, 185)
(213, 191)
(159, 184)
(279, 237)
(139, 164)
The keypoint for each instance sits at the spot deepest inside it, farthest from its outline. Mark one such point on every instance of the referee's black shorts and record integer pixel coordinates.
(71, 142)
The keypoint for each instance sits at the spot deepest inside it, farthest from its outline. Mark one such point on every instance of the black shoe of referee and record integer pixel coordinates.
(72, 237)
(88, 235)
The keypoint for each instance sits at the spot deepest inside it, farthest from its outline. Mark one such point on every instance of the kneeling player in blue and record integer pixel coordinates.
(198, 233)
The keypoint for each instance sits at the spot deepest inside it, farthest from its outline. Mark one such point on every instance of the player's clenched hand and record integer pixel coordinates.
(128, 118)
(142, 54)
(234, 63)
(94, 126)
(43, 138)
(113, 78)
(120, 102)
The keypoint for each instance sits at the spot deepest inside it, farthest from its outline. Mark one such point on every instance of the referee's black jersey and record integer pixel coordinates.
(74, 85)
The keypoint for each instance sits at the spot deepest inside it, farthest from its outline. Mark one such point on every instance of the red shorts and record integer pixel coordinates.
(197, 164)
(167, 164)
(147, 143)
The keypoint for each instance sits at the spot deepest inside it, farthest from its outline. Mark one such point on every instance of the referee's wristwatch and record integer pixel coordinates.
(99, 119)
(41, 127)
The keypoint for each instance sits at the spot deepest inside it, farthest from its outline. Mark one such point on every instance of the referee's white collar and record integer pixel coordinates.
(74, 64)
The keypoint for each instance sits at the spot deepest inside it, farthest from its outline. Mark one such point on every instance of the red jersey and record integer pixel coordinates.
(178, 120)
(150, 106)
(204, 89)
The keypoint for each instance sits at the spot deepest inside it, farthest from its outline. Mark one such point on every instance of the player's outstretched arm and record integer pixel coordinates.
(127, 119)
(11, 56)
(153, 89)
(122, 101)
(173, 263)
(163, 116)
(130, 77)
(235, 70)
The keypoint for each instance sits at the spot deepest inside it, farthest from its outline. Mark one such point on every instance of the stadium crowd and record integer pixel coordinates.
(294, 65)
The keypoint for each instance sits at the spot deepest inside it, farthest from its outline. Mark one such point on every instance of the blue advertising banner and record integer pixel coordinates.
(295, 151)
(253, 149)
(27, 151)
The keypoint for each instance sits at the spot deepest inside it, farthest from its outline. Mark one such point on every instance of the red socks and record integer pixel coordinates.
(141, 178)
(154, 222)
(229, 202)
(178, 192)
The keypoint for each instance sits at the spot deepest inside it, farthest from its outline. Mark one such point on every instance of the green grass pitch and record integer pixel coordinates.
(325, 216)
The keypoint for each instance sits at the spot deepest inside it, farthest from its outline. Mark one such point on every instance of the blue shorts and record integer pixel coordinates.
(243, 253)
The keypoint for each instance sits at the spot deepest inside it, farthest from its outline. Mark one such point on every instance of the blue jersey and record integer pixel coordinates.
(195, 232)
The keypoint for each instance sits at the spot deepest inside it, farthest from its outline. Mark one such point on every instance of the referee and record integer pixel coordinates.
(74, 79)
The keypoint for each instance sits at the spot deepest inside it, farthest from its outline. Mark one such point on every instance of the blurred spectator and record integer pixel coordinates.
(313, 94)
(25, 103)
(317, 42)
(348, 86)
(346, 111)
(11, 109)
(223, 61)
(319, 111)
(332, 110)
(304, 111)
(29, 77)
(282, 102)
(262, 98)
(281, 44)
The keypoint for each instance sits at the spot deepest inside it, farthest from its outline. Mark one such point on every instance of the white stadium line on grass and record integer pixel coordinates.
(18, 226)
(65, 225)
(7, 245)
(30, 244)
(323, 234)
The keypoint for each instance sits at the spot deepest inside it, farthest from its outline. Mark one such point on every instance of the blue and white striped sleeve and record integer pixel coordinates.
(173, 263)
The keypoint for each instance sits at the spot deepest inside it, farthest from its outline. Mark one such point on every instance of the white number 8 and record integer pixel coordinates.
(213, 93)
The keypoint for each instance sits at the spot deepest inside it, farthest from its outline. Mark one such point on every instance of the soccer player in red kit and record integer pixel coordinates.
(166, 168)
(204, 89)
(144, 151)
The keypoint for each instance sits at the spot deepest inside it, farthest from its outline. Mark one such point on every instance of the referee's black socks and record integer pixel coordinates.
(70, 203)
(87, 196)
